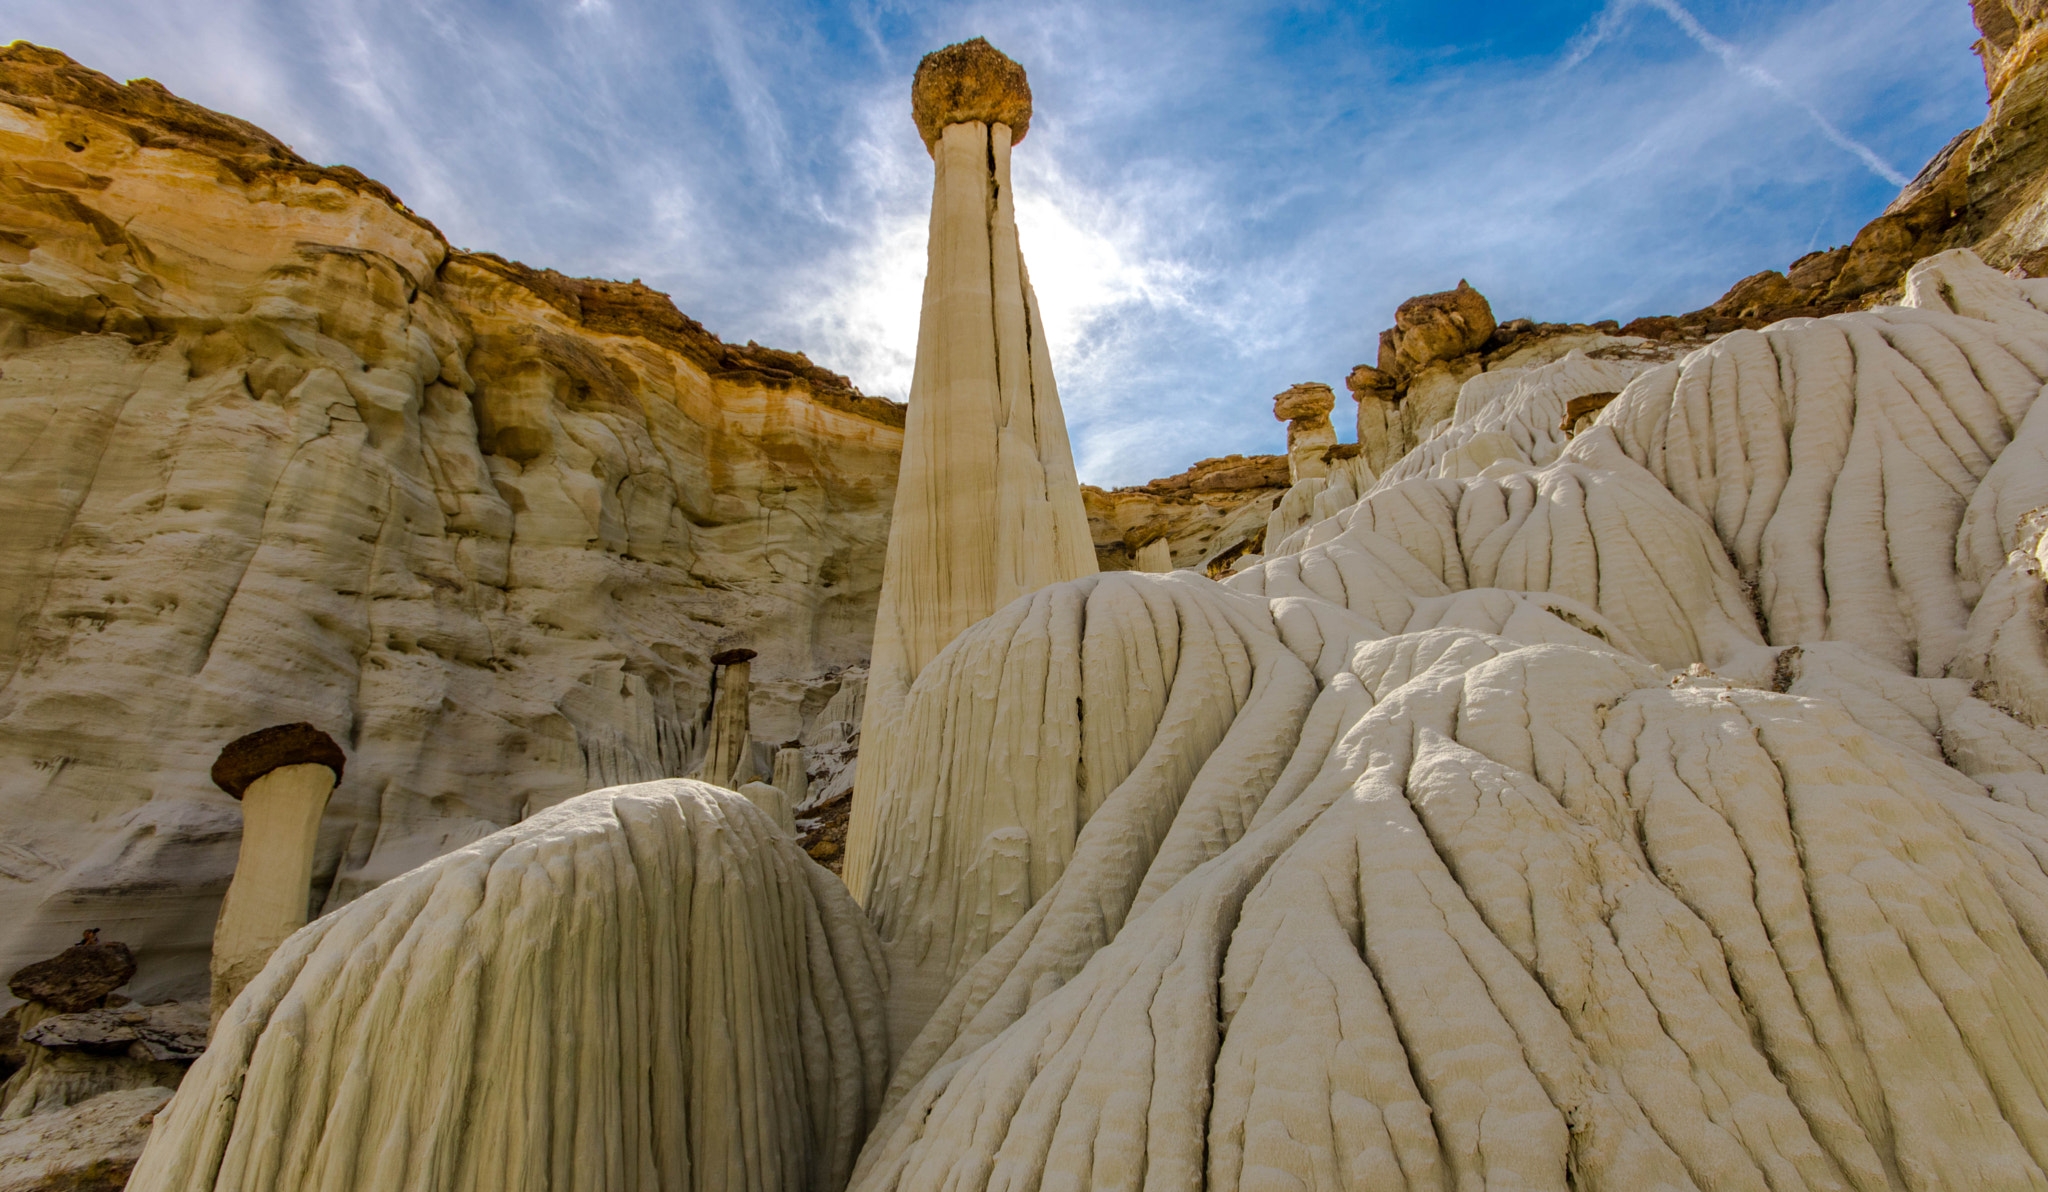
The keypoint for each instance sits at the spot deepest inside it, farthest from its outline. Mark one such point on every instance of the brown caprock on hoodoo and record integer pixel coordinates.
(988, 507)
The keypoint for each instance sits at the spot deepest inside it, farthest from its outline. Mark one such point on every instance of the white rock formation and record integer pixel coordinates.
(832, 744)
(648, 987)
(1305, 408)
(771, 799)
(728, 748)
(987, 504)
(1155, 556)
(1480, 840)
(283, 776)
(266, 901)
(790, 776)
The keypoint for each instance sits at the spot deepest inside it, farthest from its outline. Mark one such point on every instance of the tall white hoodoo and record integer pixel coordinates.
(988, 507)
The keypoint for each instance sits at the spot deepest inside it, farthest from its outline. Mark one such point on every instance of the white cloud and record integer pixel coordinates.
(1091, 260)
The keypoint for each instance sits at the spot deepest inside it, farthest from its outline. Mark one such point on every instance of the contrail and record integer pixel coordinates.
(1609, 20)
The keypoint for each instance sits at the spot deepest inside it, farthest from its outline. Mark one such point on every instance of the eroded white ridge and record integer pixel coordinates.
(646, 987)
(1621, 813)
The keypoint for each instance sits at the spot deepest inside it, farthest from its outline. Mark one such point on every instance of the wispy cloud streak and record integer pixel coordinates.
(1608, 23)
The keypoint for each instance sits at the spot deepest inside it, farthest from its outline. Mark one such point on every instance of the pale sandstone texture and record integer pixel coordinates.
(89, 1147)
(728, 754)
(275, 452)
(266, 899)
(648, 987)
(1597, 810)
(1155, 556)
(987, 504)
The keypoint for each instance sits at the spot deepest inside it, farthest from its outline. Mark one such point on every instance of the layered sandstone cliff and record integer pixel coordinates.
(274, 452)
(1217, 502)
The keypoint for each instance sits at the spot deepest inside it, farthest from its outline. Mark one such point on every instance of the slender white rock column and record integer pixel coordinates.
(791, 775)
(988, 507)
(728, 760)
(1155, 556)
(283, 777)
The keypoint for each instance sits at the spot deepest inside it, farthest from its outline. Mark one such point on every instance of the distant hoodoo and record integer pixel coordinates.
(283, 776)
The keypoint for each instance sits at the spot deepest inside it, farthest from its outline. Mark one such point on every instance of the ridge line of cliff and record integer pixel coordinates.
(32, 76)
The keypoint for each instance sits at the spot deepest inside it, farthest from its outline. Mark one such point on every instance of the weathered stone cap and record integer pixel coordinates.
(969, 81)
(728, 657)
(248, 758)
(1308, 399)
(78, 978)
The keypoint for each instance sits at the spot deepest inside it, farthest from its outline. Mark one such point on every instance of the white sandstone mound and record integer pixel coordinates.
(647, 987)
(1480, 840)
(988, 507)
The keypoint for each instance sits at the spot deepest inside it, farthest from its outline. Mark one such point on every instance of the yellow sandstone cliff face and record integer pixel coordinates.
(273, 451)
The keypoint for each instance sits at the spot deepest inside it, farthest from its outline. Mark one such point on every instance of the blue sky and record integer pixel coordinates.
(1217, 199)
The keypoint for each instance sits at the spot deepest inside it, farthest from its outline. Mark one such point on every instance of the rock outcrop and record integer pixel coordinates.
(728, 753)
(78, 978)
(969, 83)
(1305, 408)
(1213, 508)
(648, 987)
(277, 452)
(75, 1042)
(987, 504)
(90, 1147)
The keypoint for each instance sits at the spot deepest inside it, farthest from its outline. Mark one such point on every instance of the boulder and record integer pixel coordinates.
(1306, 399)
(78, 978)
(1433, 327)
(969, 81)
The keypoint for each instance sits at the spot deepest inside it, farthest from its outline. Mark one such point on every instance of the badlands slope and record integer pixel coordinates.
(1659, 807)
